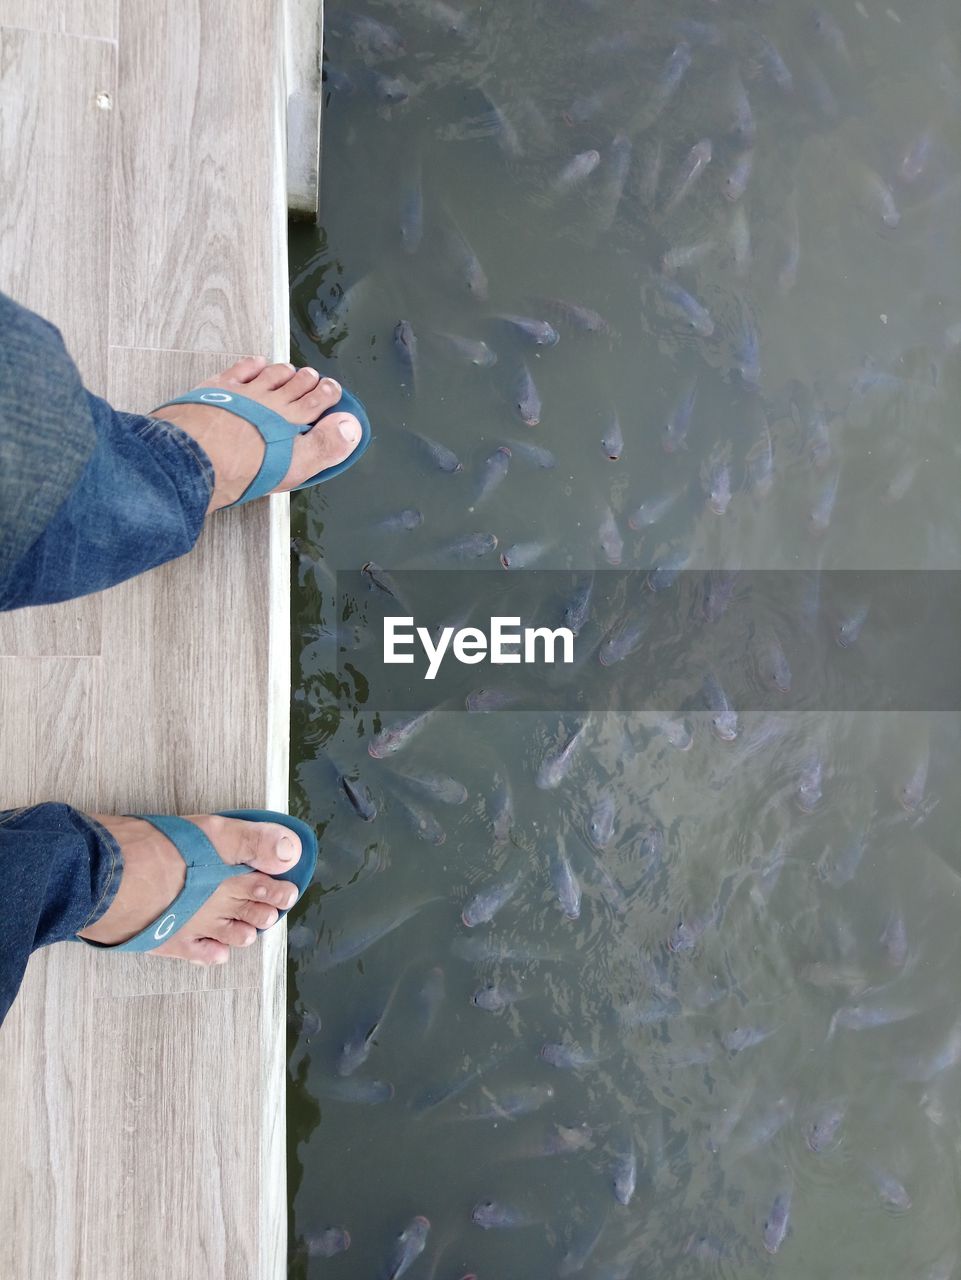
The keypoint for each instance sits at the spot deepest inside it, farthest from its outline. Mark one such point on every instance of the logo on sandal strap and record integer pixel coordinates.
(216, 397)
(165, 926)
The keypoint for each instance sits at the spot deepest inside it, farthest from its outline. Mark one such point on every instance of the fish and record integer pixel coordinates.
(355, 1050)
(433, 1095)
(674, 432)
(735, 181)
(842, 869)
(493, 473)
(523, 554)
(481, 701)
(851, 626)
(394, 737)
(327, 1243)
(600, 824)
(368, 35)
(490, 1215)
(819, 517)
(747, 360)
(527, 400)
(723, 716)
(830, 33)
(500, 810)
(616, 168)
(467, 264)
(401, 521)
(684, 306)
(764, 1125)
(423, 823)
(740, 241)
(443, 458)
(568, 1057)
(521, 1100)
(677, 732)
(365, 1092)
(777, 1222)
(412, 211)
(430, 997)
(683, 256)
(392, 90)
(650, 162)
(409, 1246)
(693, 166)
(741, 1038)
(359, 798)
(773, 664)
(865, 1017)
(894, 940)
(538, 332)
(433, 786)
(470, 546)
(891, 1191)
(653, 510)
(716, 482)
(910, 791)
(664, 575)
(576, 171)
(578, 606)
(565, 884)
(740, 118)
(504, 130)
(577, 316)
(822, 1126)
(535, 454)
(808, 792)
(791, 248)
(589, 105)
(925, 1067)
(625, 1175)
(612, 441)
(365, 933)
(405, 344)
(444, 15)
(495, 997)
(484, 906)
(668, 80)
(584, 1240)
(767, 60)
(609, 536)
(623, 639)
(486, 949)
(688, 931)
(471, 350)
(878, 196)
(915, 157)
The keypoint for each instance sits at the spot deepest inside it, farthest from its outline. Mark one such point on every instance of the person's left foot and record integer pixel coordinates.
(236, 448)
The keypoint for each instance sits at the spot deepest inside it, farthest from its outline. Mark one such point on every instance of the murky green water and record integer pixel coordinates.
(758, 947)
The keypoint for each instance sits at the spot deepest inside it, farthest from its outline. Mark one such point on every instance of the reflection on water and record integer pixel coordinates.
(660, 285)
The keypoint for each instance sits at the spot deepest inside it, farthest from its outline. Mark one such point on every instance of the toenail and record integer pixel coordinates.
(249, 942)
(286, 849)
(329, 385)
(260, 892)
(291, 899)
(349, 431)
(308, 369)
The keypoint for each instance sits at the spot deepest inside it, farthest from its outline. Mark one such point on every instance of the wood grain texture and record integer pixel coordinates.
(48, 1052)
(19, 686)
(95, 18)
(50, 143)
(180, 1158)
(195, 187)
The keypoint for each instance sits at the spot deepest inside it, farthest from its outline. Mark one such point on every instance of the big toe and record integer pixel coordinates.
(265, 846)
(330, 442)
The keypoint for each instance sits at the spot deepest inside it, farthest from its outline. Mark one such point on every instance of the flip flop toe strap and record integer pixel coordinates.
(278, 435)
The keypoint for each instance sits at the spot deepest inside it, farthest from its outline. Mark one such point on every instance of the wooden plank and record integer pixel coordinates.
(19, 685)
(177, 1113)
(304, 49)
(96, 18)
(202, 210)
(184, 724)
(52, 141)
(49, 1051)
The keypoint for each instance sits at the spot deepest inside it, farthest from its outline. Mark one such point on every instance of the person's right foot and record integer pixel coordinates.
(154, 873)
(236, 448)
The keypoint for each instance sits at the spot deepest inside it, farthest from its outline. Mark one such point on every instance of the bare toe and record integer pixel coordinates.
(265, 846)
(234, 933)
(331, 441)
(274, 376)
(203, 951)
(304, 380)
(244, 370)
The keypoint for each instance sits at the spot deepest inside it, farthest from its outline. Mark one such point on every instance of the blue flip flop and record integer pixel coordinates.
(207, 871)
(278, 434)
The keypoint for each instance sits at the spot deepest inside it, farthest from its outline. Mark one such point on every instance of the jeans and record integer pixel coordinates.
(88, 498)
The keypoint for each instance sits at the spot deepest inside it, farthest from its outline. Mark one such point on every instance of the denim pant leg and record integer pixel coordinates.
(60, 872)
(138, 501)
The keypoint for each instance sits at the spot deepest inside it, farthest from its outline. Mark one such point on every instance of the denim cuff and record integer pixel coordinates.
(110, 870)
(181, 457)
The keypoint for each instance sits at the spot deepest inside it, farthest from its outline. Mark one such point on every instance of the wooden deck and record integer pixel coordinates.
(143, 177)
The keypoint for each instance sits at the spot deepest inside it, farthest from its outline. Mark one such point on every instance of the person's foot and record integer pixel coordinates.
(154, 873)
(236, 448)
